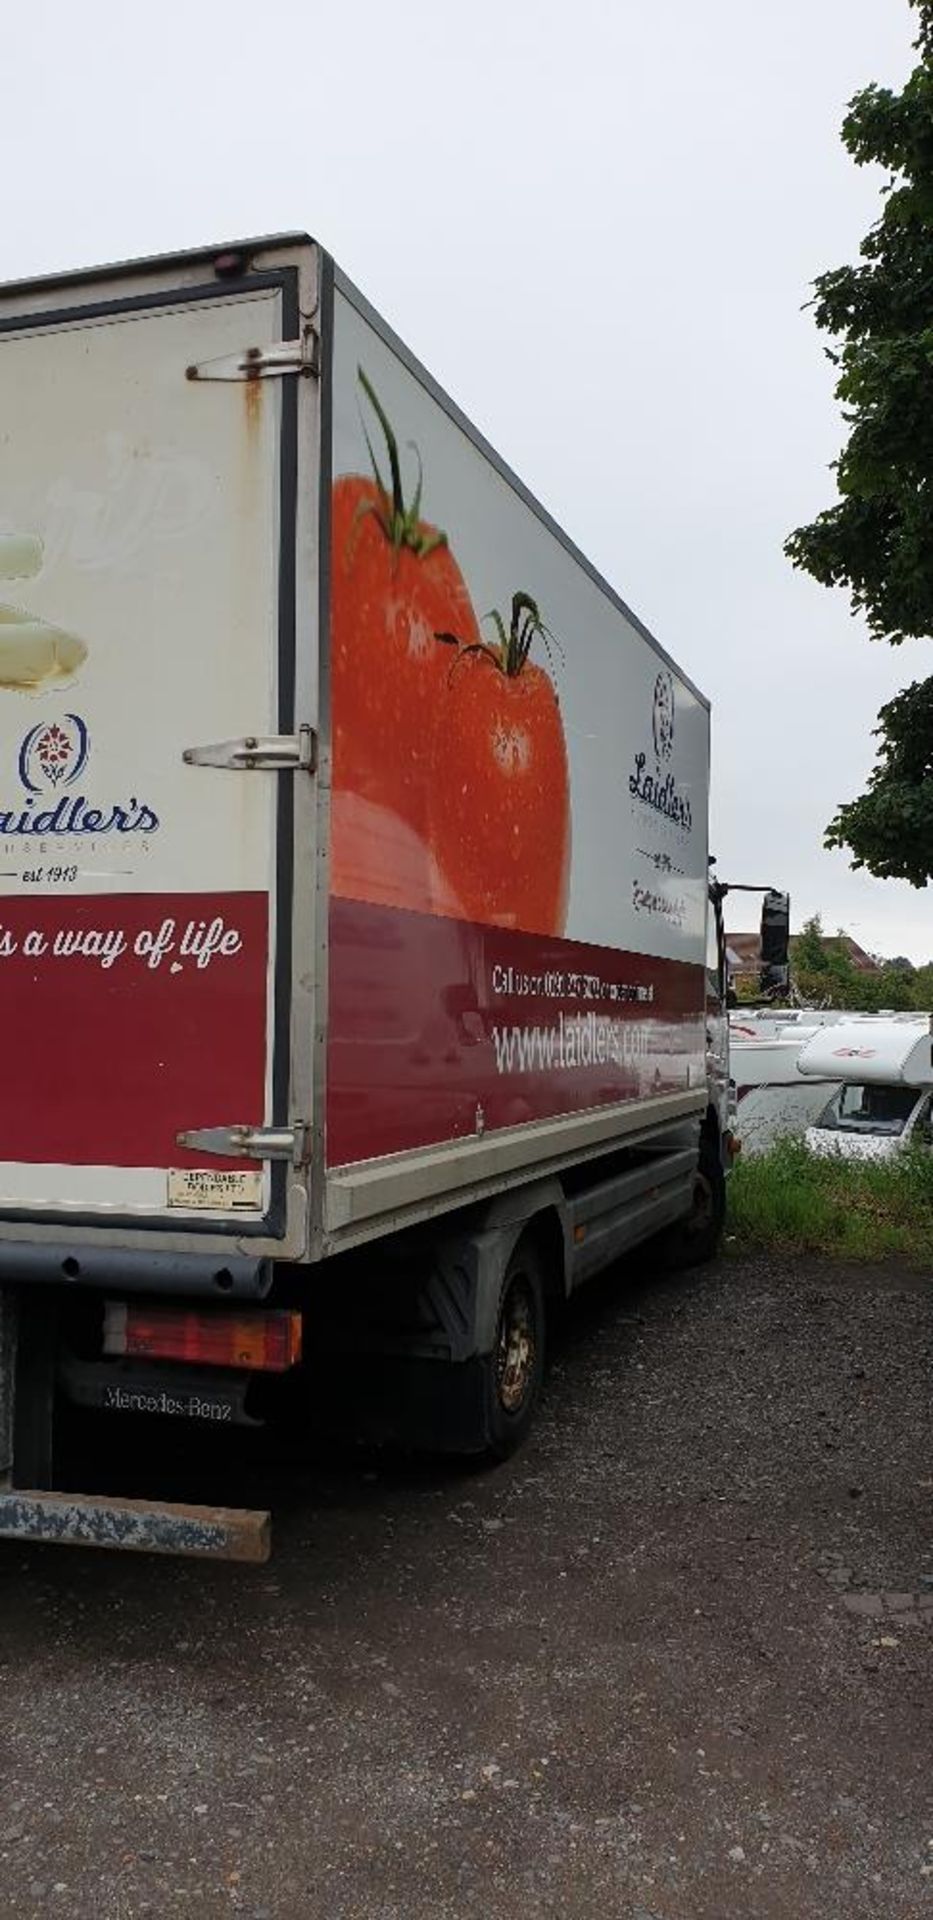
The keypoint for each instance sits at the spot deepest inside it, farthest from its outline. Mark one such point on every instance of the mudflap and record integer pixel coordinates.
(432, 1406)
(141, 1526)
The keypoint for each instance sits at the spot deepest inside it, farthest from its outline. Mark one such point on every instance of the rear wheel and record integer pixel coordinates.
(513, 1371)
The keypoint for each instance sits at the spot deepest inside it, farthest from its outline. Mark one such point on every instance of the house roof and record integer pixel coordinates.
(747, 949)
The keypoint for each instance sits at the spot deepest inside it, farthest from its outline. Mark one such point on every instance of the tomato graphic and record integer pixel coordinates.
(396, 588)
(500, 823)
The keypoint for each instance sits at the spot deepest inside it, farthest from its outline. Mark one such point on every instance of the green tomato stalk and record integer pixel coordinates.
(400, 523)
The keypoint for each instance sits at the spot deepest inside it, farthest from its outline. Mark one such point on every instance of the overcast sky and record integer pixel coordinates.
(597, 223)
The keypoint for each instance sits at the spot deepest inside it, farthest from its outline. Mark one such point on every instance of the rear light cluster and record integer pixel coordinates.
(264, 1342)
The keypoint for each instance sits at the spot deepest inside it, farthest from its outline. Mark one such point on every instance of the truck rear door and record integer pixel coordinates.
(149, 750)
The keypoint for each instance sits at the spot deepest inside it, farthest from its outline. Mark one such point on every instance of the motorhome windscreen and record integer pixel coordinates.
(858, 1109)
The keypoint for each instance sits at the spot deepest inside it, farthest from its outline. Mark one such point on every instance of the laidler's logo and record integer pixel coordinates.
(54, 754)
(658, 789)
(662, 716)
(50, 763)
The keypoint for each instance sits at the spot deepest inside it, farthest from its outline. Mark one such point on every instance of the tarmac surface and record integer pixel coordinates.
(672, 1662)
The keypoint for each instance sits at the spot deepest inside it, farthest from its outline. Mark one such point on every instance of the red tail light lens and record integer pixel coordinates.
(263, 1342)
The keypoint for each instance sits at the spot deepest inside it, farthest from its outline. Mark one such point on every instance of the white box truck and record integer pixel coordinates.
(362, 987)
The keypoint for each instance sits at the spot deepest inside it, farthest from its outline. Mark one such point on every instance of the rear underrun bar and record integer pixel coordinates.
(140, 1526)
(90, 1520)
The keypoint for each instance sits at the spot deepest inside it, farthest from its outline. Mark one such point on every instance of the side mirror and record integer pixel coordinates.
(774, 978)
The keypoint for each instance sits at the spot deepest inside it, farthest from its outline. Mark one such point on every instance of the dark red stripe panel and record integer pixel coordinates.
(439, 1028)
(126, 1020)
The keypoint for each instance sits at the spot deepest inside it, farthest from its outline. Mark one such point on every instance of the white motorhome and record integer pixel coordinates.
(884, 1098)
(772, 1101)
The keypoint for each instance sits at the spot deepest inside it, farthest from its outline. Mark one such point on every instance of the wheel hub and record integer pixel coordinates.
(515, 1347)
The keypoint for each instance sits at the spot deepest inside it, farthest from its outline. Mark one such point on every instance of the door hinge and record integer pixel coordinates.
(252, 1143)
(263, 363)
(264, 753)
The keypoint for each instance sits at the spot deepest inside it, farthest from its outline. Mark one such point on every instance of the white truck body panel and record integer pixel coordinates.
(193, 950)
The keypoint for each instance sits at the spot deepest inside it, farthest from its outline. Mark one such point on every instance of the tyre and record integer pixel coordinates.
(513, 1371)
(696, 1238)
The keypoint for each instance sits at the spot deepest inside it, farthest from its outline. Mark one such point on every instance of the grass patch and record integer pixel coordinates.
(789, 1199)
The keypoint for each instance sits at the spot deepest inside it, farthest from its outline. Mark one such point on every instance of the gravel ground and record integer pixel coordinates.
(672, 1663)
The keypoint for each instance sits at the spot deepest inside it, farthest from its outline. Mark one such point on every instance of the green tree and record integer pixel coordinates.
(889, 828)
(821, 968)
(825, 975)
(923, 988)
(899, 978)
(877, 539)
(809, 949)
